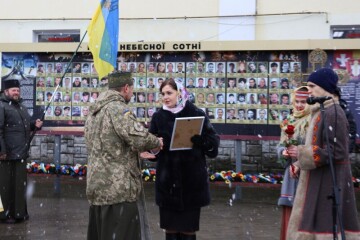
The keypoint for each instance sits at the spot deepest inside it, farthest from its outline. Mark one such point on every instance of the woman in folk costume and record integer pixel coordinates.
(311, 216)
(182, 182)
(293, 130)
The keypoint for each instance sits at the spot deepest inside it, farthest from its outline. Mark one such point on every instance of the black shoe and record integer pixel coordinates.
(23, 219)
(10, 221)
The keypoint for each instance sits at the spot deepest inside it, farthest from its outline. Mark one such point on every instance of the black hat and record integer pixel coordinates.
(325, 78)
(13, 83)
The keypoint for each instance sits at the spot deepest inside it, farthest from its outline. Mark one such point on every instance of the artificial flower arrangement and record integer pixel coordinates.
(232, 176)
(50, 168)
(149, 174)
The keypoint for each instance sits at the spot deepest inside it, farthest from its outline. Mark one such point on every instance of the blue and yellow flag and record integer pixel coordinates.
(104, 36)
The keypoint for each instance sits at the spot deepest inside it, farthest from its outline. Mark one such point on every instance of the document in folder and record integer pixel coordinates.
(184, 129)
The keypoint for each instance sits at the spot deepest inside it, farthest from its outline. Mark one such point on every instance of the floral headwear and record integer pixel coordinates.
(300, 93)
(183, 96)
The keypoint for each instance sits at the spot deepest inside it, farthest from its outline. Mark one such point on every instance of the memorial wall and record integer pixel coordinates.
(244, 93)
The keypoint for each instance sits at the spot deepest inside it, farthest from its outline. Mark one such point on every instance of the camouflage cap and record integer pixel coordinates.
(120, 79)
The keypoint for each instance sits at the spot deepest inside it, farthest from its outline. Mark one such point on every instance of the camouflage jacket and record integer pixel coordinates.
(114, 139)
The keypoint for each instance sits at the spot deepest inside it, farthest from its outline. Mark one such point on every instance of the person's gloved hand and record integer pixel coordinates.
(200, 142)
(197, 141)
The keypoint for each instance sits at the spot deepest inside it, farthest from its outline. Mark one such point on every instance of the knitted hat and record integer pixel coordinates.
(325, 78)
(12, 83)
(120, 79)
(301, 92)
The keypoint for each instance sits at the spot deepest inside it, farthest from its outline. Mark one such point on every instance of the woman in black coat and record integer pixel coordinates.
(182, 185)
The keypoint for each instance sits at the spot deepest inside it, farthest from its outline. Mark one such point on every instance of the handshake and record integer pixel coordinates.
(153, 152)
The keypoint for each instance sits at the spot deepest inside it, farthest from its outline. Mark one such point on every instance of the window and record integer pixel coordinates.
(345, 32)
(56, 35)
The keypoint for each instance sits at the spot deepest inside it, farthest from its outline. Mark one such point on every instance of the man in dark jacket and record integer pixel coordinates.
(352, 124)
(351, 121)
(15, 127)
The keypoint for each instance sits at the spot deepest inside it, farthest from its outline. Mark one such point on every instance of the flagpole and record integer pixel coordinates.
(60, 83)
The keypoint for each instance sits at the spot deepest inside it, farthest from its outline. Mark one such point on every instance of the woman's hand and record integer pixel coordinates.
(161, 141)
(285, 153)
(293, 151)
(38, 123)
(147, 155)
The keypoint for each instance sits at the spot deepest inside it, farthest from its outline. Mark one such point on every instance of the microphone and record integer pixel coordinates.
(313, 100)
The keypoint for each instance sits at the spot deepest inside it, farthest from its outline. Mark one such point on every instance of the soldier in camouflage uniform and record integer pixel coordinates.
(114, 141)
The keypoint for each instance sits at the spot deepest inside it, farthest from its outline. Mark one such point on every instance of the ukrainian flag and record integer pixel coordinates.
(104, 36)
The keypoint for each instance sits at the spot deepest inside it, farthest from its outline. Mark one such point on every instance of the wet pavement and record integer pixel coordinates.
(59, 210)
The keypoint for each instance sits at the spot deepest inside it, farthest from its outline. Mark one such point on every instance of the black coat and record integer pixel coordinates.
(182, 180)
(15, 127)
(352, 124)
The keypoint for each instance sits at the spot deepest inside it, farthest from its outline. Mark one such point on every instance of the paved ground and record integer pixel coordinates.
(59, 210)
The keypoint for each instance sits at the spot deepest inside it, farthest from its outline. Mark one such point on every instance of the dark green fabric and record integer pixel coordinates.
(118, 222)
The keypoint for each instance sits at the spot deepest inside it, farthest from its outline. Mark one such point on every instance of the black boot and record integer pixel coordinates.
(188, 237)
(173, 236)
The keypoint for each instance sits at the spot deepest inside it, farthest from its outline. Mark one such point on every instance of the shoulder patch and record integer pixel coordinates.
(127, 113)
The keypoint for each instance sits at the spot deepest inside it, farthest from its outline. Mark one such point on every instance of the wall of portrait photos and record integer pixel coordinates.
(79, 88)
(243, 93)
(229, 92)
